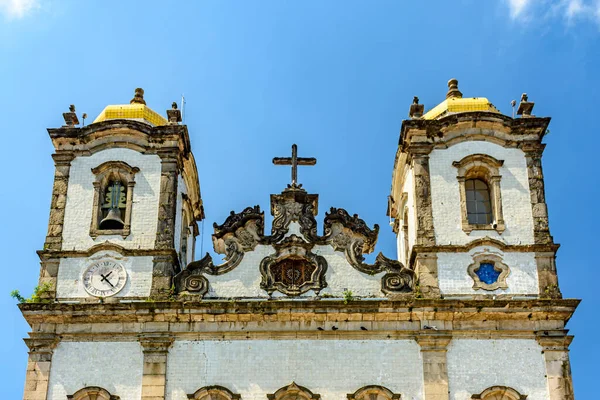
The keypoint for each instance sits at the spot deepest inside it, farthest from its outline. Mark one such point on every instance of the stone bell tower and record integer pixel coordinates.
(470, 213)
(125, 192)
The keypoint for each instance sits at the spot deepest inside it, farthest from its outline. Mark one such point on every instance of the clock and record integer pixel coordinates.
(104, 278)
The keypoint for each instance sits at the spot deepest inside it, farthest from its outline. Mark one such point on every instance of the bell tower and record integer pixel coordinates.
(125, 205)
(468, 200)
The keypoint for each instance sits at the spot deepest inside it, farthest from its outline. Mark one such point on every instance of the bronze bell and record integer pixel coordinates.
(112, 220)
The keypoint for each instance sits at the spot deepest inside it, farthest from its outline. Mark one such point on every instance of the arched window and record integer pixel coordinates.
(480, 193)
(293, 392)
(113, 198)
(374, 392)
(479, 206)
(499, 393)
(92, 393)
(213, 393)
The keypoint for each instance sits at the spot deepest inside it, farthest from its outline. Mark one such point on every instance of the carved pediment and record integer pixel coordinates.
(293, 269)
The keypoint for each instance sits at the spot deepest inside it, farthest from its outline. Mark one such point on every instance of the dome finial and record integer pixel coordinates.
(138, 98)
(453, 89)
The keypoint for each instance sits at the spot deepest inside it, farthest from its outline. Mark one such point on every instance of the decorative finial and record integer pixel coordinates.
(174, 115)
(453, 89)
(70, 117)
(416, 109)
(138, 98)
(525, 106)
(294, 161)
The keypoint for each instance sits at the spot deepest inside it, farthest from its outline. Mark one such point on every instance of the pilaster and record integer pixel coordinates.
(41, 347)
(424, 212)
(62, 167)
(558, 367)
(533, 156)
(154, 378)
(427, 274)
(435, 366)
(164, 267)
(547, 276)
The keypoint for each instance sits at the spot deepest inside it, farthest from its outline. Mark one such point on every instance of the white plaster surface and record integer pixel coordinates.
(475, 365)
(80, 197)
(408, 187)
(454, 279)
(114, 366)
(330, 368)
(514, 186)
(139, 275)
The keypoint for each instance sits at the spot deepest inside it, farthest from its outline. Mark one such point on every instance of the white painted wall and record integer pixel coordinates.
(454, 279)
(331, 368)
(114, 366)
(139, 275)
(475, 365)
(80, 197)
(516, 201)
(409, 188)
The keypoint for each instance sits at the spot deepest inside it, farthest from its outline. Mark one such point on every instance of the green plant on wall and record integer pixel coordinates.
(38, 295)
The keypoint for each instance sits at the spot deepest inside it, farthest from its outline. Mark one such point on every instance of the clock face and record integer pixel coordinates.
(104, 278)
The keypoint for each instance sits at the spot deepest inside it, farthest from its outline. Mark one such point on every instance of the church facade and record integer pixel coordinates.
(468, 308)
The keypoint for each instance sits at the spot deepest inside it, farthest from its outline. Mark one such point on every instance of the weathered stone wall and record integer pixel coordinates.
(514, 184)
(114, 366)
(80, 196)
(331, 368)
(454, 279)
(178, 211)
(474, 365)
(139, 275)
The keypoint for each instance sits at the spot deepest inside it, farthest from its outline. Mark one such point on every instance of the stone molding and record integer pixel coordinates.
(42, 344)
(434, 342)
(293, 392)
(373, 392)
(487, 168)
(214, 392)
(155, 343)
(499, 266)
(103, 174)
(92, 393)
(499, 393)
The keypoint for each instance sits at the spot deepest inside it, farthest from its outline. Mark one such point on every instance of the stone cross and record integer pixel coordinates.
(294, 161)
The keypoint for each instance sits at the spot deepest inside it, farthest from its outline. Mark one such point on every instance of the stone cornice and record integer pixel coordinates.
(105, 246)
(486, 241)
(488, 312)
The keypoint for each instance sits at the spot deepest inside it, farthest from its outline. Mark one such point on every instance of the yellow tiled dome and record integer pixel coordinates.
(137, 110)
(455, 103)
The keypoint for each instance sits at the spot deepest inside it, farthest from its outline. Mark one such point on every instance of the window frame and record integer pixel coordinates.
(208, 392)
(365, 392)
(487, 169)
(506, 392)
(104, 174)
(498, 264)
(100, 394)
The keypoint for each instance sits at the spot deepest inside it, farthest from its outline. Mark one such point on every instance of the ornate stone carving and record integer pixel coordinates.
(499, 393)
(293, 392)
(373, 392)
(214, 392)
(238, 234)
(498, 265)
(92, 393)
(293, 269)
(293, 205)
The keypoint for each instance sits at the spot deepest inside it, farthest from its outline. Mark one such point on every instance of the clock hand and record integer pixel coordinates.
(104, 279)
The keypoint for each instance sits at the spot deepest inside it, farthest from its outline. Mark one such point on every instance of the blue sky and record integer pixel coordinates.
(336, 77)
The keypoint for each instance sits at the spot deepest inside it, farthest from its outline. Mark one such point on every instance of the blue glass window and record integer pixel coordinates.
(487, 273)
